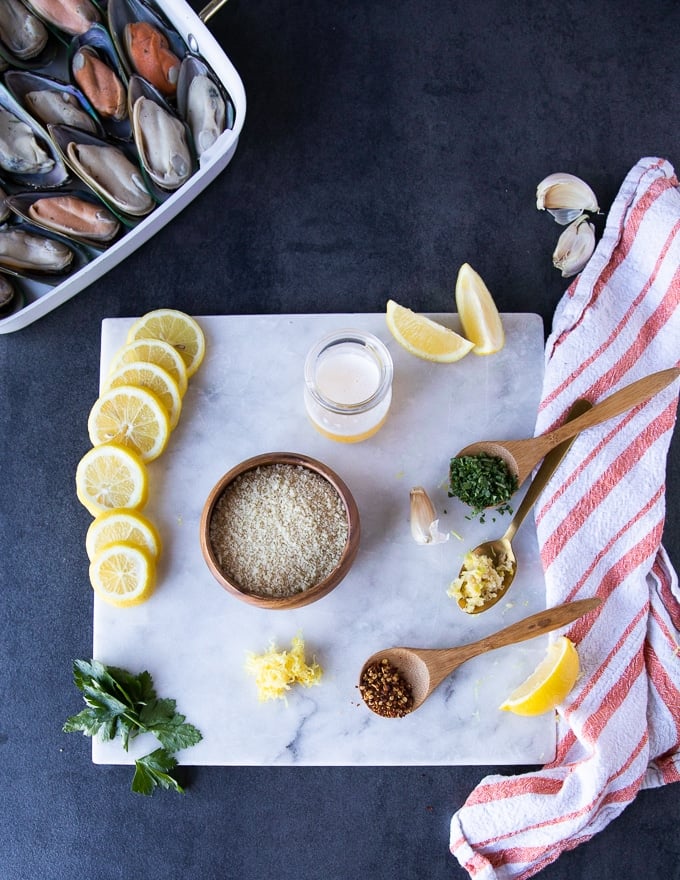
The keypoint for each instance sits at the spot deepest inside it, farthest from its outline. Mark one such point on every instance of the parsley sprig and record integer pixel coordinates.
(119, 703)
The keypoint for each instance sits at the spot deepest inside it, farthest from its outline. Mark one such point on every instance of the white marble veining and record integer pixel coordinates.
(193, 637)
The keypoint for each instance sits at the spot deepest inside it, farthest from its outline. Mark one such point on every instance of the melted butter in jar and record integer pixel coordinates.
(348, 385)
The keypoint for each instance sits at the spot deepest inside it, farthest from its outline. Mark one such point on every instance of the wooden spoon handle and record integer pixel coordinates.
(535, 625)
(545, 472)
(618, 402)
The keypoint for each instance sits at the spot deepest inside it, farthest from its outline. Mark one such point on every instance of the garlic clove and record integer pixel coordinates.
(424, 521)
(574, 247)
(565, 196)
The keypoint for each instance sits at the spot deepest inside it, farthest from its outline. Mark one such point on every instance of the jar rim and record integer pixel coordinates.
(370, 343)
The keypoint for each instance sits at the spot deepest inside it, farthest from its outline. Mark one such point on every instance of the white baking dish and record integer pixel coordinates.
(41, 298)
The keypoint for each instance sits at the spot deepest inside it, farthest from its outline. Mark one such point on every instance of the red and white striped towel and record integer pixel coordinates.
(600, 523)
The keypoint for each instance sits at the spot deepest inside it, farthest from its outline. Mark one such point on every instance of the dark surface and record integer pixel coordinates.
(385, 144)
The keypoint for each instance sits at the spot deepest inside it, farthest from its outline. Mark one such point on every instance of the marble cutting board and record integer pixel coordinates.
(193, 637)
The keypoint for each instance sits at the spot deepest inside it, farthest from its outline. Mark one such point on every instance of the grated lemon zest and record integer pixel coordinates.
(276, 671)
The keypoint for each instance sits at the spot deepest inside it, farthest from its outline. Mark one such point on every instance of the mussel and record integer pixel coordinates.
(52, 101)
(20, 152)
(27, 153)
(160, 136)
(27, 252)
(53, 107)
(106, 169)
(202, 103)
(146, 42)
(206, 112)
(21, 32)
(75, 215)
(70, 16)
(100, 83)
(109, 171)
(150, 55)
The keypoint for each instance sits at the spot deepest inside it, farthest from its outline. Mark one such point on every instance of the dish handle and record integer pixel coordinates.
(208, 11)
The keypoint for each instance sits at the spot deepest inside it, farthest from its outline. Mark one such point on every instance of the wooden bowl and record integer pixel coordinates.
(311, 593)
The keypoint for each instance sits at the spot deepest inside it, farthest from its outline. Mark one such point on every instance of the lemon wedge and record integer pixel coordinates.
(130, 416)
(549, 684)
(122, 524)
(178, 329)
(111, 476)
(478, 314)
(153, 351)
(156, 379)
(123, 574)
(423, 337)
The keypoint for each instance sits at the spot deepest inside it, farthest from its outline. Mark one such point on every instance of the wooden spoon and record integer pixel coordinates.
(502, 547)
(522, 456)
(425, 668)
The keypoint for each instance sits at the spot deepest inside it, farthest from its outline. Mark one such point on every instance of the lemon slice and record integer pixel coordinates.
(423, 337)
(131, 416)
(180, 330)
(549, 684)
(478, 314)
(122, 524)
(156, 379)
(153, 351)
(123, 574)
(111, 476)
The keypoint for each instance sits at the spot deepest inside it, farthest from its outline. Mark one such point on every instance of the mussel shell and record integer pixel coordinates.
(8, 295)
(29, 252)
(35, 49)
(57, 174)
(128, 198)
(77, 216)
(69, 16)
(162, 140)
(22, 84)
(4, 207)
(216, 116)
(99, 40)
(123, 12)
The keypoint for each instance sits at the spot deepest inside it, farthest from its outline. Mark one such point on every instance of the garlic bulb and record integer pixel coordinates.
(574, 247)
(565, 196)
(424, 522)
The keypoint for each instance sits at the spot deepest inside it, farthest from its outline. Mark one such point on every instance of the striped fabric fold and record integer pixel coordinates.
(600, 522)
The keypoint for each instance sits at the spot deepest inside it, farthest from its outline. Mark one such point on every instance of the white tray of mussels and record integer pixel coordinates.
(114, 115)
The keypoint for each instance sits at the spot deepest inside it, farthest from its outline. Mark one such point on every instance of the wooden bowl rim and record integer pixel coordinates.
(304, 597)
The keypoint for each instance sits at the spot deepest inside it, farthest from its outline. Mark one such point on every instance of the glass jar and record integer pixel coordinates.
(348, 385)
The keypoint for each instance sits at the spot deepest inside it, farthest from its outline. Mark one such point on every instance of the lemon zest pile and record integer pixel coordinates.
(276, 671)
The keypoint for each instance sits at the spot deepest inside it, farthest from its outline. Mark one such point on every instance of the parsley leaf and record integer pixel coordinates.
(120, 703)
(154, 770)
(170, 728)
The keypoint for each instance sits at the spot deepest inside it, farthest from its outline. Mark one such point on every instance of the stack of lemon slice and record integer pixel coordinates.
(129, 426)
(481, 324)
